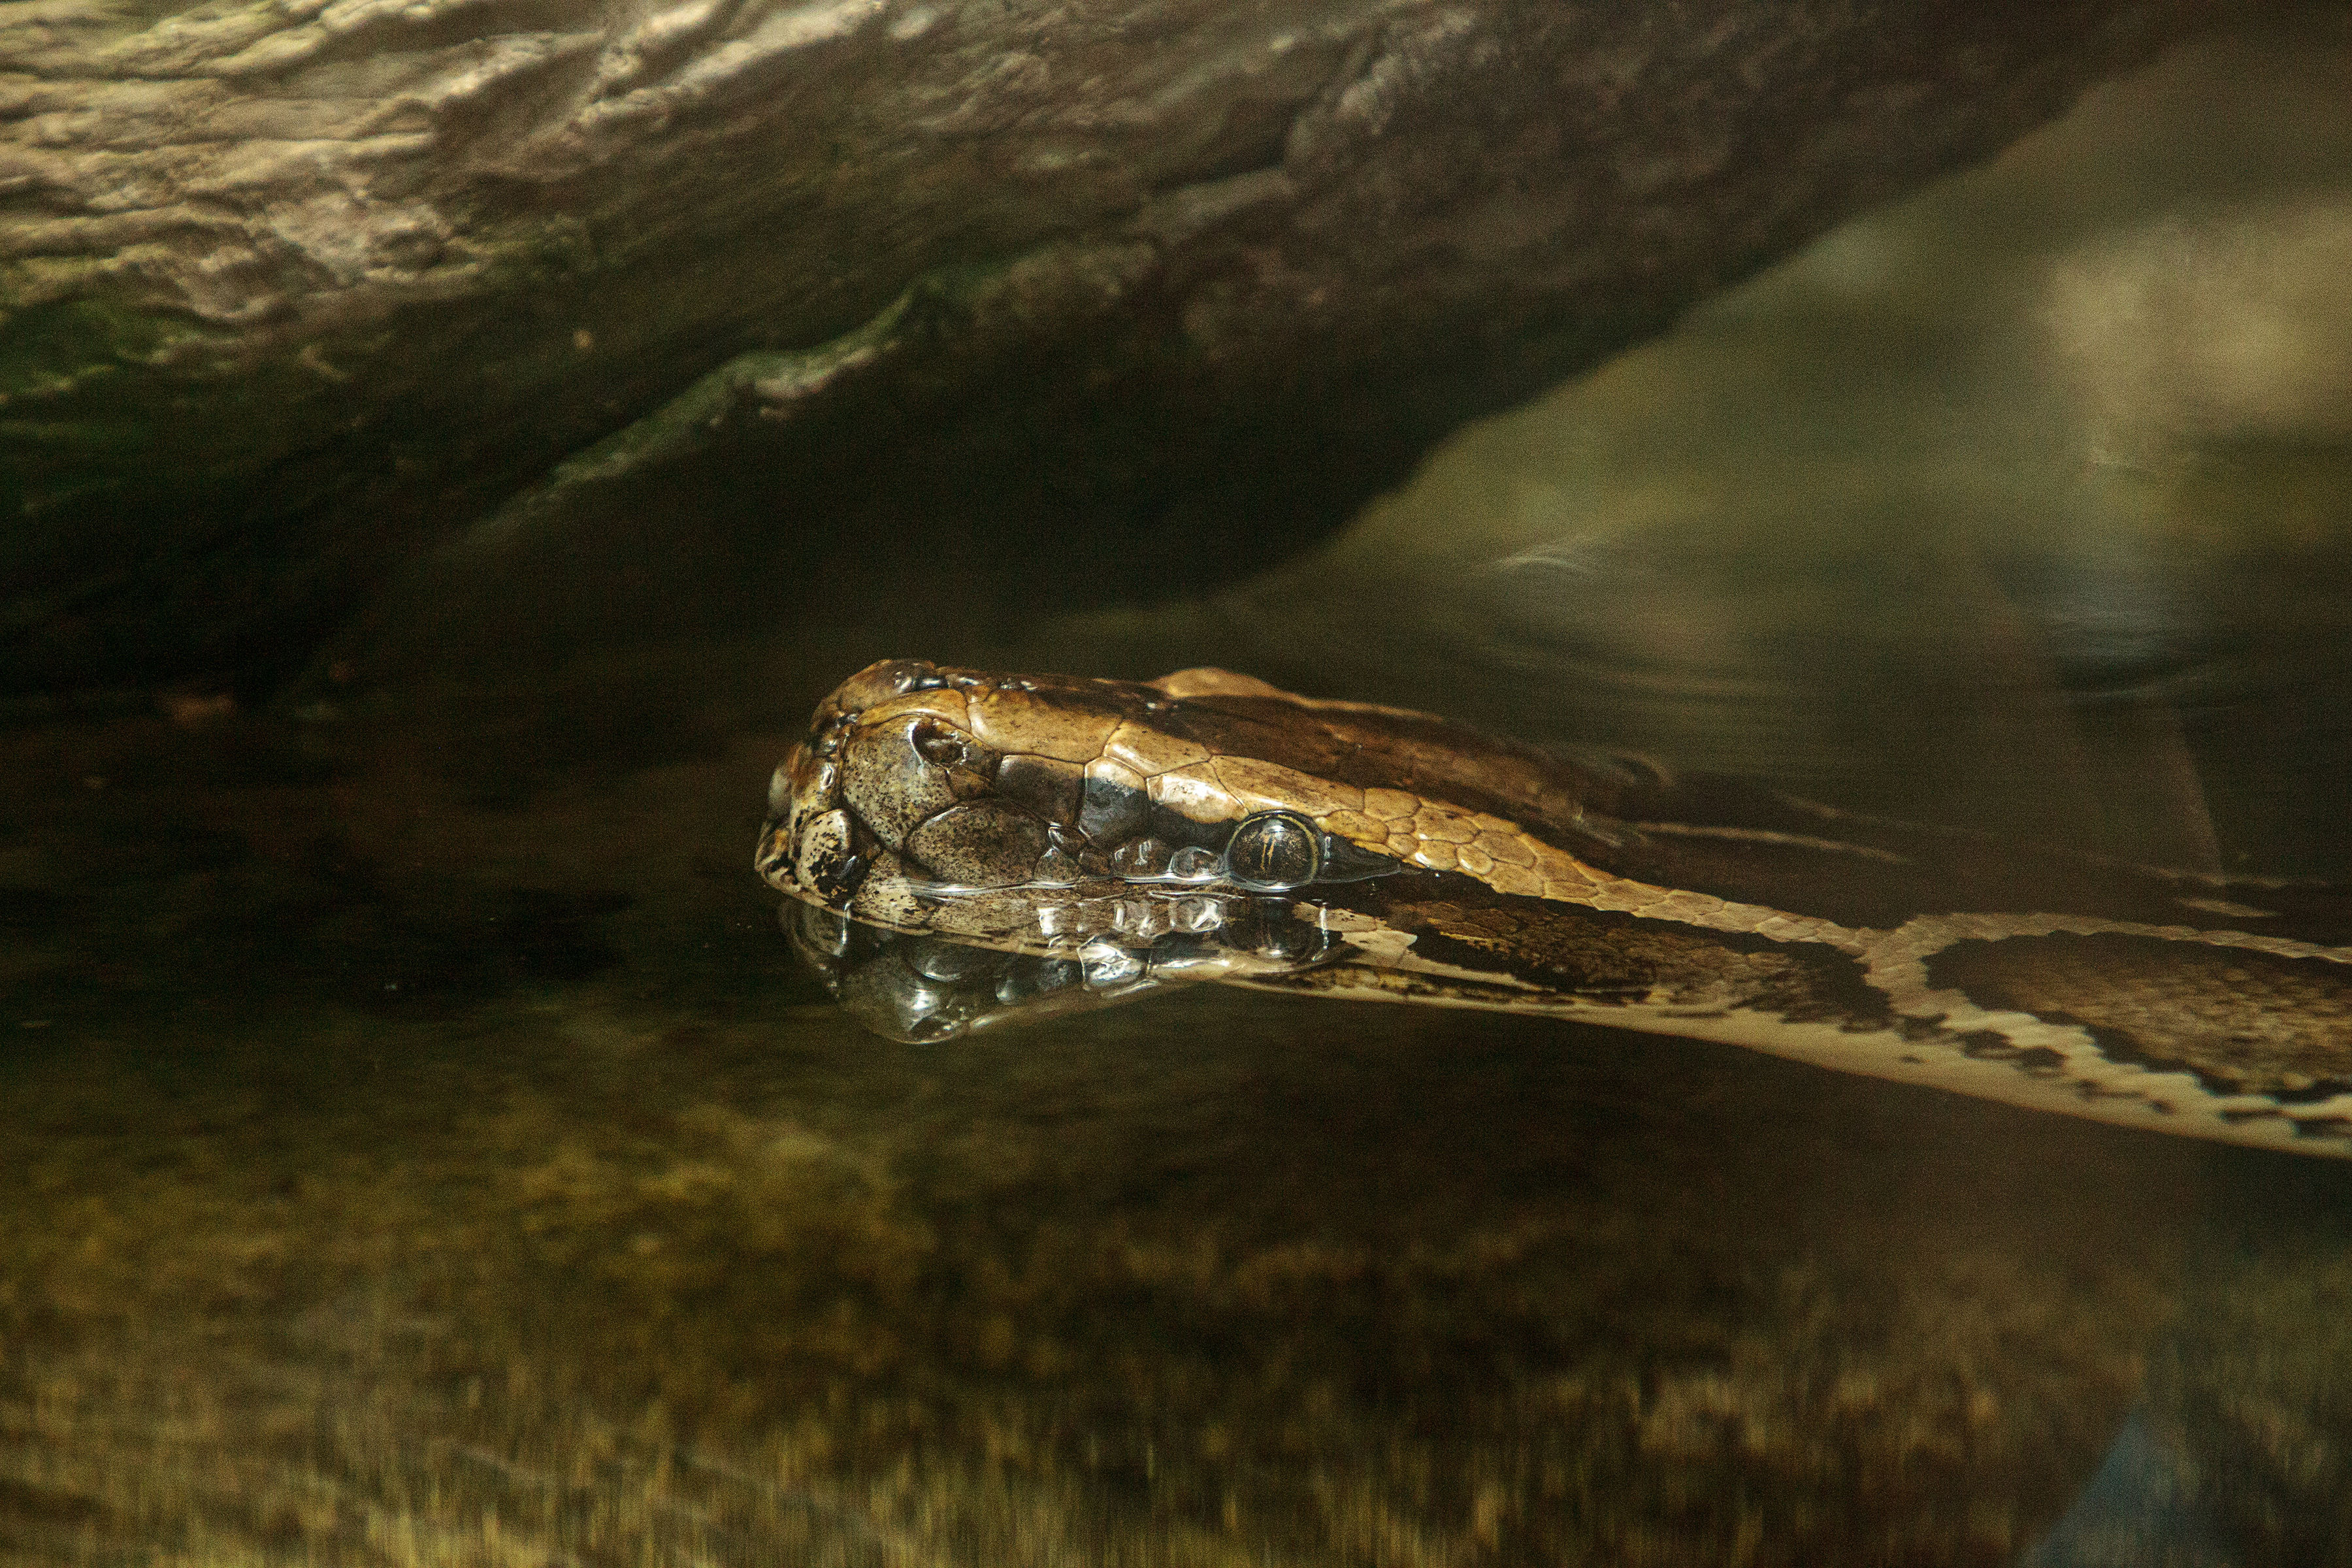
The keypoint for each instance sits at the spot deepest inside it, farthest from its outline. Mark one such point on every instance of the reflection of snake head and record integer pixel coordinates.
(924, 989)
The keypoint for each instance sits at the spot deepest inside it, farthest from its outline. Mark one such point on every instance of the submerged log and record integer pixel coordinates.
(290, 290)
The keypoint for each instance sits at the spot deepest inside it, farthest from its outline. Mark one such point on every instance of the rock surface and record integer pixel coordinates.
(292, 290)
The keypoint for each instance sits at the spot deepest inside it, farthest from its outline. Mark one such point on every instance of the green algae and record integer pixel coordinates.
(947, 321)
(57, 346)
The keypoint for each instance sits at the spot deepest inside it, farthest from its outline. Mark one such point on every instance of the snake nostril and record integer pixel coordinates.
(935, 745)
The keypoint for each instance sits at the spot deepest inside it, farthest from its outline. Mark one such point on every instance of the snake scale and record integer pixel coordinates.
(1209, 826)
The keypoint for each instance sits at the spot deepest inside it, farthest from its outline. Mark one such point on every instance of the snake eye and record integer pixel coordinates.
(1273, 851)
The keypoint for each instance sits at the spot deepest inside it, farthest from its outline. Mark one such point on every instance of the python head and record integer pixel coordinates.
(1029, 811)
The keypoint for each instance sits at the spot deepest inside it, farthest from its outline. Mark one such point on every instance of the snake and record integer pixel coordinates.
(1208, 825)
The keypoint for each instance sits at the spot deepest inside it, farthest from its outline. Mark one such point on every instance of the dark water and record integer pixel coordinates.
(418, 1146)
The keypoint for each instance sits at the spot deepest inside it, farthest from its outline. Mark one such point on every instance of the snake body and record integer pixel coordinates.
(1211, 826)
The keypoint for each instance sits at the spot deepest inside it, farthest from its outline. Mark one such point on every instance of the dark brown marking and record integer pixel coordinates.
(1605, 957)
(2244, 1022)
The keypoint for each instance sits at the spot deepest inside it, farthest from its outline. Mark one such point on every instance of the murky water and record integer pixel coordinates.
(417, 1145)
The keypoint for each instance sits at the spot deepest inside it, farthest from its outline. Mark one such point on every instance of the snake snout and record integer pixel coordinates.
(880, 681)
(966, 814)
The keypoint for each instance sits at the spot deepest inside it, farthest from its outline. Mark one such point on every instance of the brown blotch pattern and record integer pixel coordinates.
(2242, 1020)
